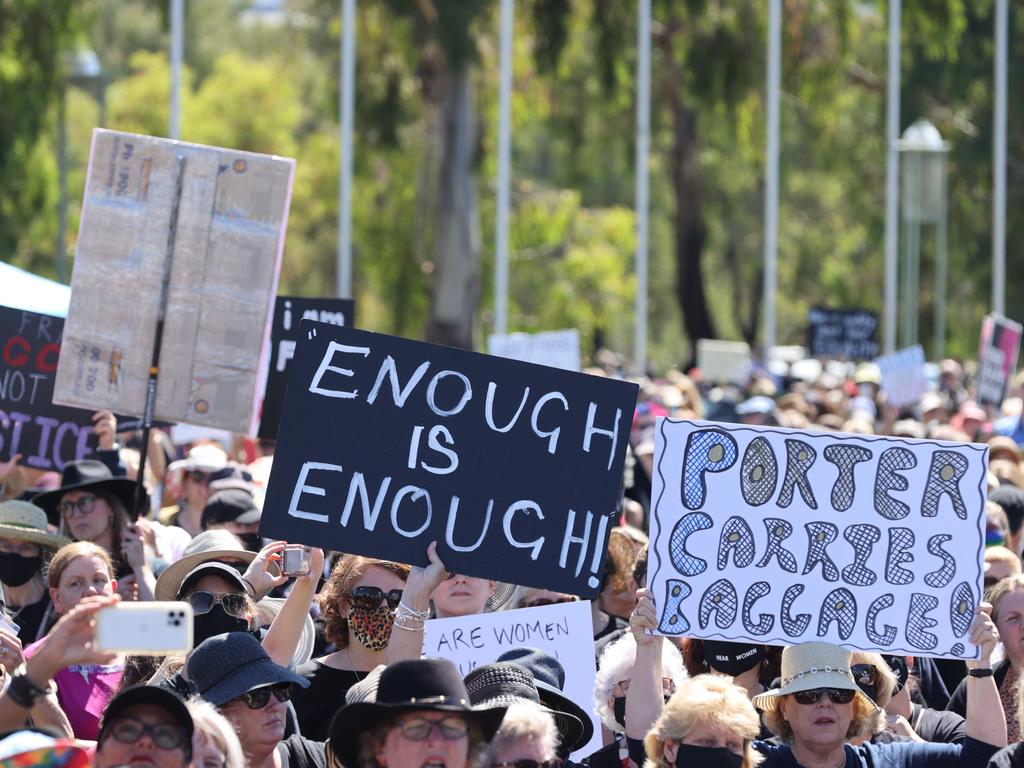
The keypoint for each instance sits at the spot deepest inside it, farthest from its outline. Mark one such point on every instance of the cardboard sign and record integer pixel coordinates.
(387, 444)
(903, 376)
(565, 631)
(843, 333)
(47, 436)
(227, 246)
(777, 536)
(997, 358)
(558, 349)
(726, 362)
(289, 311)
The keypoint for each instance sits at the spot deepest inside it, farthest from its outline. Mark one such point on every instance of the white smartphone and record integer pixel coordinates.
(145, 629)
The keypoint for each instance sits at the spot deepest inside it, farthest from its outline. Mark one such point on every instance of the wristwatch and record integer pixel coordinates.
(980, 672)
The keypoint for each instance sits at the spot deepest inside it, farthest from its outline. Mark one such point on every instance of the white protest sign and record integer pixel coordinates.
(871, 543)
(723, 361)
(232, 213)
(564, 630)
(903, 376)
(558, 349)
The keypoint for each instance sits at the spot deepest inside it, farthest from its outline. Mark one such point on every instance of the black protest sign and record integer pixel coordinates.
(47, 436)
(289, 311)
(387, 444)
(842, 333)
(997, 358)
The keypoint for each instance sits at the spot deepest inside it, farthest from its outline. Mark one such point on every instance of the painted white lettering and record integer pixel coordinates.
(325, 366)
(301, 487)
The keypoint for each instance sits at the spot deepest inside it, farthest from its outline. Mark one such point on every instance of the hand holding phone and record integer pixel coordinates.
(145, 629)
(295, 560)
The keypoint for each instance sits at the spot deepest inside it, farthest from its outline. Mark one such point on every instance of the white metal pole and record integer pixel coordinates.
(999, 164)
(347, 98)
(771, 173)
(177, 59)
(508, 10)
(643, 140)
(892, 172)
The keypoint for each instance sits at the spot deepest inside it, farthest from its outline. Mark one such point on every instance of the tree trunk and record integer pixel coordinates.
(455, 287)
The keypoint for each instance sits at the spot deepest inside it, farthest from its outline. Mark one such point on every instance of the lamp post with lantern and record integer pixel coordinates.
(924, 176)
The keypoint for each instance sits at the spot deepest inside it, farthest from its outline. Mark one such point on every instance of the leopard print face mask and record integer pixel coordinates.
(372, 629)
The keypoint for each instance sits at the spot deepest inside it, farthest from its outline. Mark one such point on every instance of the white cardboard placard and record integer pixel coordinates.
(565, 631)
(778, 536)
(558, 349)
(903, 375)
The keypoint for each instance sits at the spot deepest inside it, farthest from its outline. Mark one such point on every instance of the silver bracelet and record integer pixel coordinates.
(405, 610)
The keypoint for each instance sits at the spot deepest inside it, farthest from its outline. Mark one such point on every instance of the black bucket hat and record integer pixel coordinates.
(83, 474)
(549, 677)
(416, 684)
(223, 667)
(505, 682)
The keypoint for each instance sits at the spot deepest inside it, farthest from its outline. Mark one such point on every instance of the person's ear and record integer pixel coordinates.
(113, 587)
(55, 599)
(492, 587)
(669, 750)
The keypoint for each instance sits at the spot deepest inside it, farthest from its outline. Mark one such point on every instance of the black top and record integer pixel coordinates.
(932, 688)
(1008, 757)
(938, 726)
(29, 619)
(297, 752)
(608, 755)
(958, 701)
(316, 705)
(903, 754)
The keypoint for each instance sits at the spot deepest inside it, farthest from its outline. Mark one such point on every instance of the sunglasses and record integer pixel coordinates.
(420, 728)
(863, 674)
(258, 697)
(369, 598)
(197, 476)
(550, 601)
(528, 763)
(203, 602)
(836, 695)
(83, 506)
(129, 730)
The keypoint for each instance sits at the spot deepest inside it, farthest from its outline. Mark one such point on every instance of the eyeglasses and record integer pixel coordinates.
(258, 697)
(836, 695)
(527, 763)
(668, 687)
(420, 728)
(550, 601)
(196, 476)
(369, 598)
(203, 602)
(129, 730)
(83, 506)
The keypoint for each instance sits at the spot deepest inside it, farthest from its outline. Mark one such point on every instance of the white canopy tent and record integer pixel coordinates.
(23, 290)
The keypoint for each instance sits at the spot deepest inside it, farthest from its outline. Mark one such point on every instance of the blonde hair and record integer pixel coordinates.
(1002, 589)
(703, 699)
(525, 721)
(214, 726)
(63, 557)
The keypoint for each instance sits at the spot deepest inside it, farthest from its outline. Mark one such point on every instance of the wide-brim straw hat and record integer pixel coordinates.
(405, 686)
(23, 521)
(502, 593)
(808, 666)
(217, 544)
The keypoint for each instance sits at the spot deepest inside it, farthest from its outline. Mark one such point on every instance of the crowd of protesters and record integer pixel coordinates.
(326, 669)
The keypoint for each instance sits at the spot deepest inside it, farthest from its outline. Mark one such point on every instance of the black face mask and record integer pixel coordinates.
(216, 622)
(619, 710)
(690, 756)
(16, 570)
(732, 658)
(251, 541)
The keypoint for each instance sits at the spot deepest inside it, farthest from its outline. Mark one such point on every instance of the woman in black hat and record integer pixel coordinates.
(93, 505)
(422, 716)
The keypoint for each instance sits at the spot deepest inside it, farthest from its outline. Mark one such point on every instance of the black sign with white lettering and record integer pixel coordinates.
(387, 444)
(847, 334)
(47, 436)
(289, 311)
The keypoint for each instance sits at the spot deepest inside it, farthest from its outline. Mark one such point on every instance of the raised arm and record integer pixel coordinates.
(407, 634)
(285, 631)
(645, 698)
(985, 718)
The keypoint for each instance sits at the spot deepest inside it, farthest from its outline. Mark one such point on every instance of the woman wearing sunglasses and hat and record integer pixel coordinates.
(422, 716)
